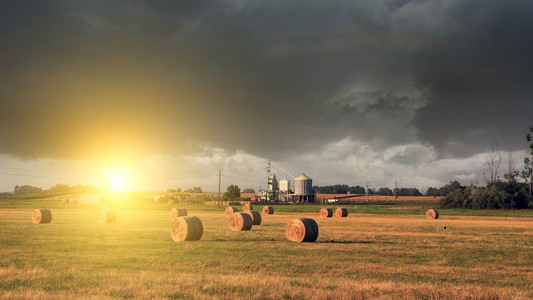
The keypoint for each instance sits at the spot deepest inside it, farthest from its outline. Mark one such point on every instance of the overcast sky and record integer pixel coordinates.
(343, 91)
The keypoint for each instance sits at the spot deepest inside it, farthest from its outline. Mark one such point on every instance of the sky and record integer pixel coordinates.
(167, 93)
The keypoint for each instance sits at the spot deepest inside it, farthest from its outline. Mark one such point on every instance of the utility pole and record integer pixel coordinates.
(395, 191)
(219, 175)
(366, 191)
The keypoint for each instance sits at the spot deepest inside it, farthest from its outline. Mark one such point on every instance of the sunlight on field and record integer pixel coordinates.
(361, 256)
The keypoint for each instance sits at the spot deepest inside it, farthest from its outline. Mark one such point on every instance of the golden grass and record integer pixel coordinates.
(357, 257)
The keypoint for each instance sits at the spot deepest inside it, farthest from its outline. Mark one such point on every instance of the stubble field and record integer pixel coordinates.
(361, 256)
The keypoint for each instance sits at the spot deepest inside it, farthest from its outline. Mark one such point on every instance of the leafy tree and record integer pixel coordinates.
(232, 192)
(495, 196)
(385, 191)
(340, 189)
(445, 190)
(528, 172)
(248, 190)
(26, 189)
(357, 189)
(432, 191)
(195, 189)
(409, 192)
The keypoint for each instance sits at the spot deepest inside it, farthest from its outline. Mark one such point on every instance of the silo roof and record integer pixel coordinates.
(302, 177)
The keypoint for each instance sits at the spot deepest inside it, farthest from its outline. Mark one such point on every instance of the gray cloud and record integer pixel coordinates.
(270, 78)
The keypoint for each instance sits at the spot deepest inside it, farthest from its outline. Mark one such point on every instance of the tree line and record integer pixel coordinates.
(514, 192)
(357, 189)
(57, 189)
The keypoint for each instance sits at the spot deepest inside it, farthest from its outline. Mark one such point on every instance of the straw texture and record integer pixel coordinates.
(41, 215)
(240, 221)
(326, 213)
(230, 210)
(177, 212)
(256, 217)
(302, 230)
(432, 214)
(107, 215)
(268, 210)
(341, 212)
(188, 228)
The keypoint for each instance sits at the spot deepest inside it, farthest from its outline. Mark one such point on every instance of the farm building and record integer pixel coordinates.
(303, 191)
(88, 199)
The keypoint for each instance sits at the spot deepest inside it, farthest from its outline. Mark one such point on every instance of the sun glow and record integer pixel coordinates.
(118, 181)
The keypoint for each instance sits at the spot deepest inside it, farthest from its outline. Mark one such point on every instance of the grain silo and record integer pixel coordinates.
(284, 185)
(303, 189)
(272, 183)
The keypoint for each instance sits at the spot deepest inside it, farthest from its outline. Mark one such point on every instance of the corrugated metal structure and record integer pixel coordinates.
(284, 185)
(303, 189)
(272, 183)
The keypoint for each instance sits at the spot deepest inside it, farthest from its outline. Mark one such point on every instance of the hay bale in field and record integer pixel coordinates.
(326, 213)
(188, 228)
(41, 215)
(247, 207)
(432, 214)
(302, 230)
(240, 221)
(268, 210)
(107, 216)
(256, 217)
(230, 210)
(341, 212)
(177, 212)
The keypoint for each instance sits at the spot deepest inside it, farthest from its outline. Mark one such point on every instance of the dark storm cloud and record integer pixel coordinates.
(267, 77)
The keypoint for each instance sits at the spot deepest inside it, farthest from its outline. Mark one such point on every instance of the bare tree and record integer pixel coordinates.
(529, 168)
(510, 166)
(493, 161)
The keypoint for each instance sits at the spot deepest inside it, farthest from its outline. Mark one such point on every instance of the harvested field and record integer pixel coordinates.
(390, 256)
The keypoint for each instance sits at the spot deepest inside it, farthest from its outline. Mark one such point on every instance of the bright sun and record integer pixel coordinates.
(118, 181)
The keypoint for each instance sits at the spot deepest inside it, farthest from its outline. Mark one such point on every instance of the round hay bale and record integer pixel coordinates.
(268, 210)
(240, 221)
(326, 213)
(432, 214)
(247, 207)
(302, 230)
(341, 212)
(188, 228)
(107, 216)
(177, 212)
(230, 210)
(256, 217)
(41, 215)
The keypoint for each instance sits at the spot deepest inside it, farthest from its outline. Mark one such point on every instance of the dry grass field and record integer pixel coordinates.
(363, 256)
